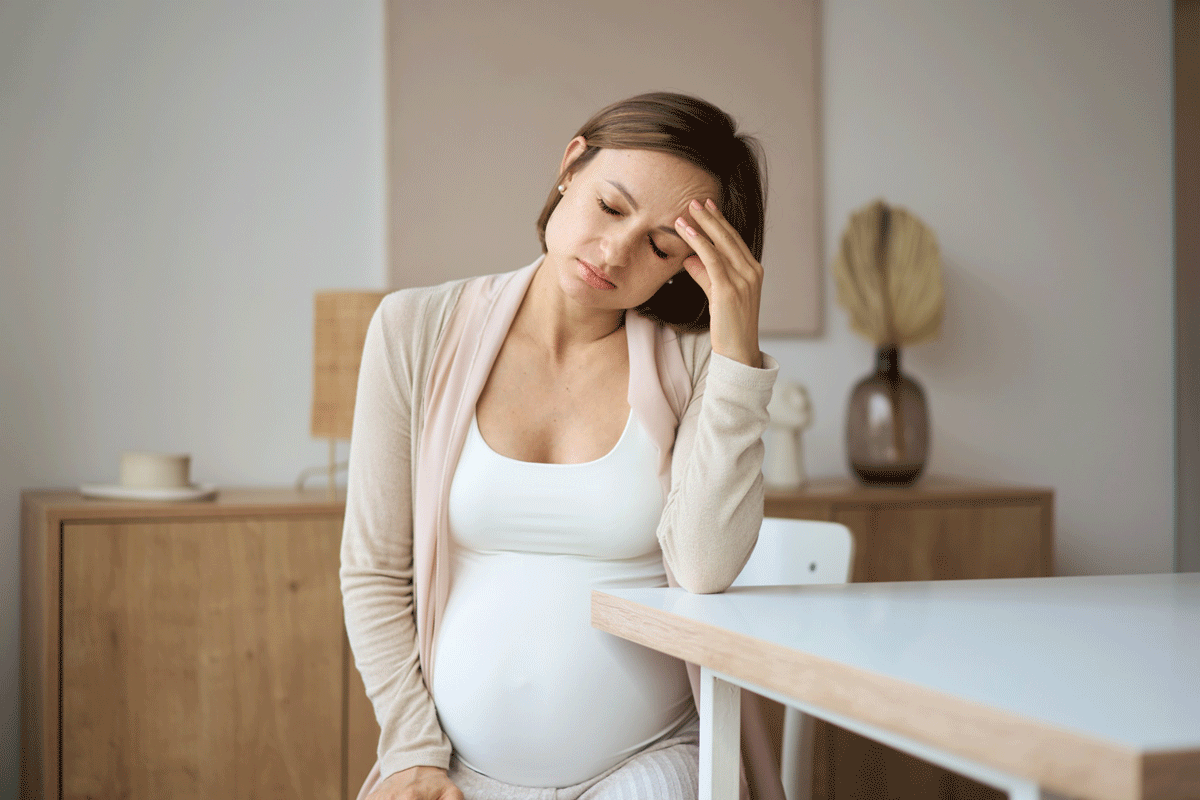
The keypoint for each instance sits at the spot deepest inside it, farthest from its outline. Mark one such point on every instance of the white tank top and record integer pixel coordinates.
(527, 691)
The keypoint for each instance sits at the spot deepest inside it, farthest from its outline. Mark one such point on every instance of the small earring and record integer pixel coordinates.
(562, 188)
(670, 281)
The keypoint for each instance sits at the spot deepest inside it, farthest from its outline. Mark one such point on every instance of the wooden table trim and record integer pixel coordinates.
(1058, 759)
(933, 488)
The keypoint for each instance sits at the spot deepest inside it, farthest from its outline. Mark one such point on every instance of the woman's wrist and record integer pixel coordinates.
(751, 357)
(415, 775)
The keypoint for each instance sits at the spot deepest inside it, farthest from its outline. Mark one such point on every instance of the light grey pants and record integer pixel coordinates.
(667, 770)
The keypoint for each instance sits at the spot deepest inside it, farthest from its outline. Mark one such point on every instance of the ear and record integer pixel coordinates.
(575, 148)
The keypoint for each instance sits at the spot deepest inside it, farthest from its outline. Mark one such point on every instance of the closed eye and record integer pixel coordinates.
(654, 247)
(607, 209)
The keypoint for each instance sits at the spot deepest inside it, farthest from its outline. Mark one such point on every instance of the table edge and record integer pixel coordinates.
(1057, 758)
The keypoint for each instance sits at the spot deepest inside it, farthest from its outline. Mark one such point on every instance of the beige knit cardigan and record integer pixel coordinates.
(427, 356)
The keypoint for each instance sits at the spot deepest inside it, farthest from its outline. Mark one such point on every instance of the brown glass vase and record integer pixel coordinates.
(887, 424)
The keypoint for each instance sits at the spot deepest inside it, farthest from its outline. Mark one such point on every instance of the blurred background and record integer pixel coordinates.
(178, 179)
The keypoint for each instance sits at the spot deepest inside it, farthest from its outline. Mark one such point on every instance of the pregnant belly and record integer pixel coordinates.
(527, 691)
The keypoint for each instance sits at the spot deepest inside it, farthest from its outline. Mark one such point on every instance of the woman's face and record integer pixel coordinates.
(611, 239)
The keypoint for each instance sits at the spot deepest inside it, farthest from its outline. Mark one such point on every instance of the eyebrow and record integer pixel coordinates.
(620, 188)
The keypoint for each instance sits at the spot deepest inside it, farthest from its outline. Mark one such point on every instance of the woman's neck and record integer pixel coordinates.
(557, 322)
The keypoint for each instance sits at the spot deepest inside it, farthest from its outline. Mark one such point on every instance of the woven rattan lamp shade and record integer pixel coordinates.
(340, 320)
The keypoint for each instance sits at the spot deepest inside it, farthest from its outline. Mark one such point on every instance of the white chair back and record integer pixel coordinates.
(796, 551)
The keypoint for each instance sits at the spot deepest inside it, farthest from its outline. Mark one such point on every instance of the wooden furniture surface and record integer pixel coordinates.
(166, 646)
(188, 650)
(940, 528)
(1082, 685)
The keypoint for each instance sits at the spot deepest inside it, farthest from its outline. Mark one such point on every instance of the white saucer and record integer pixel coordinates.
(202, 491)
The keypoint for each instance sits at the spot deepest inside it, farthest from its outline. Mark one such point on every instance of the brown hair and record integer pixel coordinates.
(701, 134)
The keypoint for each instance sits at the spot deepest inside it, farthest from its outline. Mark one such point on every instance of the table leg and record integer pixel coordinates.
(720, 737)
(1017, 788)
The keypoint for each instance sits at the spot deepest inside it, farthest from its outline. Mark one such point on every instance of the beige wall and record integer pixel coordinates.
(482, 103)
(177, 179)
(1187, 280)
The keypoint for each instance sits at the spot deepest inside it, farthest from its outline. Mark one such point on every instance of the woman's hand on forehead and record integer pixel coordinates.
(731, 278)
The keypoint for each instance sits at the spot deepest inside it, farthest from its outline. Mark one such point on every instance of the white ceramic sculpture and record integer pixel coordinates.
(791, 413)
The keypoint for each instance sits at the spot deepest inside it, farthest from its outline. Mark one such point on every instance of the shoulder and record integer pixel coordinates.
(413, 314)
(412, 324)
(423, 313)
(405, 331)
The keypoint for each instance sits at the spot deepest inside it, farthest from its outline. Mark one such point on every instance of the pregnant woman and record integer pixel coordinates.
(592, 420)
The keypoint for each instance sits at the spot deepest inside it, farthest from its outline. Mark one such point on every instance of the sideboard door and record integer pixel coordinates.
(202, 659)
(923, 542)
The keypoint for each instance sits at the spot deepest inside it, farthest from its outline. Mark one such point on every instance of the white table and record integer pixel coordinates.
(1084, 686)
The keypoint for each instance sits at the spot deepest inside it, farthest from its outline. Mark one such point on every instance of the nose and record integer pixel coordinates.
(617, 245)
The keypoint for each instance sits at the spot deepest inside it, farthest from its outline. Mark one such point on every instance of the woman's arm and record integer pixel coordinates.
(715, 506)
(376, 554)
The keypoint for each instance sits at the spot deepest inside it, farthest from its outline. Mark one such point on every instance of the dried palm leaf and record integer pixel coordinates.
(889, 276)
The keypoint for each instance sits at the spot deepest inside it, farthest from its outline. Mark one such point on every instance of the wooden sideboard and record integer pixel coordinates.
(937, 529)
(188, 650)
(197, 650)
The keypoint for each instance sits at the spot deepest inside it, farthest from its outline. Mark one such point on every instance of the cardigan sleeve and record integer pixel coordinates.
(715, 506)
(376, 551)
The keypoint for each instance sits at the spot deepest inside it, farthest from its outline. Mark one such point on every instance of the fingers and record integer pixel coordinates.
(728, 234)
(731, 278)
(707, 265)
(725, 255)
(694, 266)
(727, 240)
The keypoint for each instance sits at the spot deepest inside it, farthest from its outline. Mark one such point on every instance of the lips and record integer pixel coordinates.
(594, 277)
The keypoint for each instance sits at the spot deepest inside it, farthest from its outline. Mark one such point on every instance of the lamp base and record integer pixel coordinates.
(330, 470)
